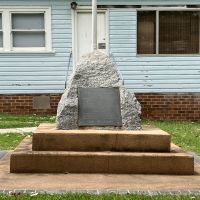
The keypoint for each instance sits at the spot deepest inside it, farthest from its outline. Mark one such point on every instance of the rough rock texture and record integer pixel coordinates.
(96, 70)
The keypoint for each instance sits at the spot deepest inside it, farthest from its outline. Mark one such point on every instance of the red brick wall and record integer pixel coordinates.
(23, 104)
(154, 106)
(184, 106)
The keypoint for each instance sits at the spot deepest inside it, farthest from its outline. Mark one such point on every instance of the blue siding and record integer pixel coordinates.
(45, 72)
(149, 73)
(141, 2)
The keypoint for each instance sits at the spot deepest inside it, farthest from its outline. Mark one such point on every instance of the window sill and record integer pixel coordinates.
(8, 53)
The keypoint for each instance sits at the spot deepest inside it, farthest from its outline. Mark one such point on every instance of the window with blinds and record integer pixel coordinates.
(177, 32)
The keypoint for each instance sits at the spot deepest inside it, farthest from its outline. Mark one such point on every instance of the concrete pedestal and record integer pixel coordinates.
(100, 151)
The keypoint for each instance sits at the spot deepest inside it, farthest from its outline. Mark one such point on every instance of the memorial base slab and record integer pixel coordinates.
(100, 151)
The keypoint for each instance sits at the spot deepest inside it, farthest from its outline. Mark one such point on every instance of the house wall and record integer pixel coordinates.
(46, 72)
(161, 106)
(141, 2)
(29, 73)
(157, 74)
(170, 84)
(153, 78)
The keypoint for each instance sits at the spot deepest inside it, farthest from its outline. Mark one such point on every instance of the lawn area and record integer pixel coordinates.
(10, 140)
(97, 197)
(18, 121)
(184, 134)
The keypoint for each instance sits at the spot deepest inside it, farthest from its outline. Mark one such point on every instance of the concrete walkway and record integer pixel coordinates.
(2, 154)
(94, 183)
(17, 130)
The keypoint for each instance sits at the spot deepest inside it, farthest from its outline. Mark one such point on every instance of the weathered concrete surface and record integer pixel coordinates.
(96, 70)
(24, 160)
(17, 130)
(2, 154)
(96, 181)
(48, 138)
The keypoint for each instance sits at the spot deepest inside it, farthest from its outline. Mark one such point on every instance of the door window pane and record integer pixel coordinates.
(1, 33)
(28, 21)
(146, 32)
(0, 21)
(28, 39)
(1, 39)
(178, 32)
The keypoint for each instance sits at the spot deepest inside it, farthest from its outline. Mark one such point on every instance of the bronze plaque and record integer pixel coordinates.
(99, 107)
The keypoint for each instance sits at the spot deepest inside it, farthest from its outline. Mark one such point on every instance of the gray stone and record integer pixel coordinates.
(96, 70)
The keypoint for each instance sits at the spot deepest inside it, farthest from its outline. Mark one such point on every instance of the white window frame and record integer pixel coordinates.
(7, 29)
(157, 10)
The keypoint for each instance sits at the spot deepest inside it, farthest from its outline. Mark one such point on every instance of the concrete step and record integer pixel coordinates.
(47, 138)
(24, 160)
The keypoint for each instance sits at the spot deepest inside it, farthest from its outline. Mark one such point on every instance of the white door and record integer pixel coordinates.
(84, 33)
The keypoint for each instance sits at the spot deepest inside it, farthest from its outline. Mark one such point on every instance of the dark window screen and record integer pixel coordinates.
(146, 32)
(1, 32)
(178, 32)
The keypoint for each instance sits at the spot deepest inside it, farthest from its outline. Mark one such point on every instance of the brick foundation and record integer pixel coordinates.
(24, 104)
(162, 106)
(170, 106)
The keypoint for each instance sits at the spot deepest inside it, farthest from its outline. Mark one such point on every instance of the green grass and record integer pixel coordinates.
(18, 121)
(96, 197)
(184, 134)
(10, 140)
